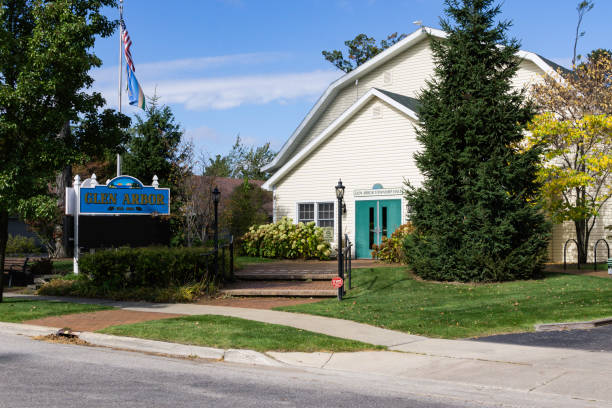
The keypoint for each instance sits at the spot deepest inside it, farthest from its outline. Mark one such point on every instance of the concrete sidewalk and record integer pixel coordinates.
(333, 327)
(576, 375)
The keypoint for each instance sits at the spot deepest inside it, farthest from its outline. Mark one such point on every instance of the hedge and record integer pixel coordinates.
(152, 267)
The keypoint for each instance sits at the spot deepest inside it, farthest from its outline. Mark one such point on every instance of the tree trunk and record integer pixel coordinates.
(582, 237)
(3, 240)
(63, 180)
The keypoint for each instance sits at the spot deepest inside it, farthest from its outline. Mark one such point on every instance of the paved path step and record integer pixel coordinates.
(273, 275)
(293, 288)
(279, 292)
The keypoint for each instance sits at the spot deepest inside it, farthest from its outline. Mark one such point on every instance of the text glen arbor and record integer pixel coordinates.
(128, 199)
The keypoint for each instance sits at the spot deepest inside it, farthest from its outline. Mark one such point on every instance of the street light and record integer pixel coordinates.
(216, 195)
(340, 197)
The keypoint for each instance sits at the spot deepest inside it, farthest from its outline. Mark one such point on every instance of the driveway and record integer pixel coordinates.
(597, 339)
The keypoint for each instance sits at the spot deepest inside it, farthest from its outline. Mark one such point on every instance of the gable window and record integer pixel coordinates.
(321, 213)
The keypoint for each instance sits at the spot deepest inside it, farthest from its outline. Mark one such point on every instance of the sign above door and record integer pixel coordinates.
(394, 191)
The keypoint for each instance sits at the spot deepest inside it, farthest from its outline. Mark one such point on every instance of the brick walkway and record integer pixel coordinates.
(295, 278)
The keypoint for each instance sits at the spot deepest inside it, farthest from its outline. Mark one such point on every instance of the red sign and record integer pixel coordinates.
(337, 282)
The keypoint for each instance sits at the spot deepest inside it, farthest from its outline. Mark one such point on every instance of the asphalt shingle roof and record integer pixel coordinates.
(411, 103)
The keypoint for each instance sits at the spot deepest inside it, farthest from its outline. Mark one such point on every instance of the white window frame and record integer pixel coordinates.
(297, 210)
(316, 211)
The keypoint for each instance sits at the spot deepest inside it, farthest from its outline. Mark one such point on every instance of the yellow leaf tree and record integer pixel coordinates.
(575, 132)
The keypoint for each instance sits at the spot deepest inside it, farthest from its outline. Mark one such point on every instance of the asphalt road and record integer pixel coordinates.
(40, 374)
(597, 339)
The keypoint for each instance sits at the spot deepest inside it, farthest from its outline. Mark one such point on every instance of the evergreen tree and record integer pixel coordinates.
(155, 147)
(475, 215)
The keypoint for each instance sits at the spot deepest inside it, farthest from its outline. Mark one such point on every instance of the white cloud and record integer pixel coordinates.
(203, 134)
(183, 82)
(231, 92)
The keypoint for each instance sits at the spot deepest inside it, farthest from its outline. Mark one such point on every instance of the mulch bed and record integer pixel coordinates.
(99, 320)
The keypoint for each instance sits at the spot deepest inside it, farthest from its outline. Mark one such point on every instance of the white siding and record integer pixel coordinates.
(409, 71)
(565, 231)
(370, 150)
(363, 152)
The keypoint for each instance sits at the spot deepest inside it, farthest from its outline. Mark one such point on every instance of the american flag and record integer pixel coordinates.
(127, 43)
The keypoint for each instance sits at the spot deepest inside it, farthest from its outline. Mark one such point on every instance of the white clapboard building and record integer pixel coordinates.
(362, 130)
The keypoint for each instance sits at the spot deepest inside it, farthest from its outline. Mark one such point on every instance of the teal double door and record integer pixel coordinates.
(375, 219)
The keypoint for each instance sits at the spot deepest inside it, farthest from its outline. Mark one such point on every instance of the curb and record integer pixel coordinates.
(249, 357)
(572, 326)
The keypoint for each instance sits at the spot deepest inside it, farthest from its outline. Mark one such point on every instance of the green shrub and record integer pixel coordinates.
(392, 249)
(285, 239)
(19, 244)
(83, 288)
(126, 268)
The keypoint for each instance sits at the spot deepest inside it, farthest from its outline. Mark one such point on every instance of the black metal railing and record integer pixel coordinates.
(565, 252)
(595, 252)
(347, 258)
(218, 268)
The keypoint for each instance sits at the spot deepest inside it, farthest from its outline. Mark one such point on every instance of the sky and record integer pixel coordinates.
(254, 67)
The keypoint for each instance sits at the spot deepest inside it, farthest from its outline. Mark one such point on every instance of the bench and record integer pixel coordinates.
(17, 272)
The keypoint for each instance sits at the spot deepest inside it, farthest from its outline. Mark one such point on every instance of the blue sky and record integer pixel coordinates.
(254, 67)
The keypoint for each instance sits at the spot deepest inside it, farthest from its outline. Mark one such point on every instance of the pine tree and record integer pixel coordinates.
(475, 214)
(155, 147)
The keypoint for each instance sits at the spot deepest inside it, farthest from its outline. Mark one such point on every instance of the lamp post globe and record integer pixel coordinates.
(340, 190)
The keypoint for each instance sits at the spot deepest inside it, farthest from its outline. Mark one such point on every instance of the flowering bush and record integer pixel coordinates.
(391, 249)
(284, 239)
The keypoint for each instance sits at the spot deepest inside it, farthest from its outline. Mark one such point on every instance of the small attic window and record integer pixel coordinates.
(377, 111)
(387, 78)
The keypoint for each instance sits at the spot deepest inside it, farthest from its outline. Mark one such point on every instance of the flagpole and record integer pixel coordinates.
(120, 73)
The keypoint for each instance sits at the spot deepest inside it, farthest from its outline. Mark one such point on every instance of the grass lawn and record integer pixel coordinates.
(19, 310)
(231, 332)
(393, 299)
(62, 266)
(241, 261)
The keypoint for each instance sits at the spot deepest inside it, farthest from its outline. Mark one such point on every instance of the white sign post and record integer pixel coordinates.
(77, 189)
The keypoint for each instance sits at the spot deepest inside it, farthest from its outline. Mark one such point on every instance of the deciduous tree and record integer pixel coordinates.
(360, 50)
(45, 59)
(575, 131)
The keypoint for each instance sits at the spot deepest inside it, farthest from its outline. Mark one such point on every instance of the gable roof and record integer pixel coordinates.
(411, 103)
(332, 90)
(402, 103)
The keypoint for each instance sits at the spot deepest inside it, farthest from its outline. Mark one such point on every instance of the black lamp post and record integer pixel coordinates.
(216, 195)
(340, 197)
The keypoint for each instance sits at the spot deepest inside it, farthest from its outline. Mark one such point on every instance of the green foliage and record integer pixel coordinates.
(220, 166)
(392, 249)
(360, 50)
(45, 65)
(245, 208)
(284, 239)
(18, 244)
(155, 146)
(474, 215)
(45, 61)
(241, 162)
(79, 287)
(152, 267)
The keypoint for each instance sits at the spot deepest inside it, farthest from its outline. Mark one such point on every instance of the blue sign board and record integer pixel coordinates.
(124, 195)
